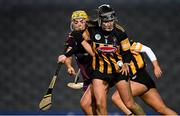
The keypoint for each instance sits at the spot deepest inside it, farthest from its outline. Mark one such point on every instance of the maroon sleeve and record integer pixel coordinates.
(69, 41)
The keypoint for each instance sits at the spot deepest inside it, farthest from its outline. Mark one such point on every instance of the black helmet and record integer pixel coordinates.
(106, 13)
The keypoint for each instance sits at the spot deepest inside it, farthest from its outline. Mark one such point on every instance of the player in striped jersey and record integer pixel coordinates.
(137, 47)
(141, 83)
(110, 44)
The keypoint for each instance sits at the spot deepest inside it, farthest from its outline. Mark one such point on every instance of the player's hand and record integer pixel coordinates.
(125, 69)
(157, 71)
(62, 58)
(71, 71)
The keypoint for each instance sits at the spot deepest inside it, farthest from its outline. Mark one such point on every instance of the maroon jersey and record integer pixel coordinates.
(84, 60)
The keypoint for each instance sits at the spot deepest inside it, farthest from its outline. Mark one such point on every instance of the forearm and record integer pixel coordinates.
(70, 69)
(87, 47)
(68, 62)
(70, 51)
(155, 63)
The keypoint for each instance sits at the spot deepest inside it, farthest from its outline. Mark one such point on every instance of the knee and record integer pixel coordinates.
(160, 109)
(130, 104)
(100, 104)
(84, 104)
(114, 98)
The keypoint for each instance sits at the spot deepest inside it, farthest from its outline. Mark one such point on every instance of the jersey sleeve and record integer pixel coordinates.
(136, 47)
(69, 41)
(74, 41)
(125, 46)
(123, 38)
(70, 45)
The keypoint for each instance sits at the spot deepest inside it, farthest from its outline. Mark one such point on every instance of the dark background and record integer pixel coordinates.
(32, 34)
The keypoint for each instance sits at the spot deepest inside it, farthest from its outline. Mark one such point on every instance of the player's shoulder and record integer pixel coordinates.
(120, 32)
(119, 27)
(69, 35)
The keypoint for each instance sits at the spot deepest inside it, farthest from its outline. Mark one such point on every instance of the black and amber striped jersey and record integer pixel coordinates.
(109, 47)
(137, 61)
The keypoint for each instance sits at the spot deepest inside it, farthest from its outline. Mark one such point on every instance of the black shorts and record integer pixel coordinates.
(111, 79)
(144, 78)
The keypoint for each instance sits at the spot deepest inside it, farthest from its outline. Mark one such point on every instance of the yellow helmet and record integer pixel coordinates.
(79, 14)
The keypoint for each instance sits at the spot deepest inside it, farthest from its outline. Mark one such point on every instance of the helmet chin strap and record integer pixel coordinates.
(107, 29)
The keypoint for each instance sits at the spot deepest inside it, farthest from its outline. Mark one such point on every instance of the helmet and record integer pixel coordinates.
(79, 14)
(106, 13)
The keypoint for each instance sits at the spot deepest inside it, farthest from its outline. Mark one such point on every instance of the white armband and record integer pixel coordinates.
(149, 52)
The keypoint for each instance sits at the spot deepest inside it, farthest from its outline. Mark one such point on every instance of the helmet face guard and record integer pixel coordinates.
(106, 13)
(109, 16)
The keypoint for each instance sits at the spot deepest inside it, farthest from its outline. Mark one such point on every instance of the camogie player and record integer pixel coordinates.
(79, 20)
(110, 44)
(142, 84)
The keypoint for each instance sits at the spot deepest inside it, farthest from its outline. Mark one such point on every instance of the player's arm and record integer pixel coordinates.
(68, 63)
(65, 58)
(153, 58)
(70, 48)
(78, 40)
(149, 52)
(81, 37)
(138, 47)
(87, 47)
(85, 44)
(157, 69)
(124, 43)
(126, 54)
